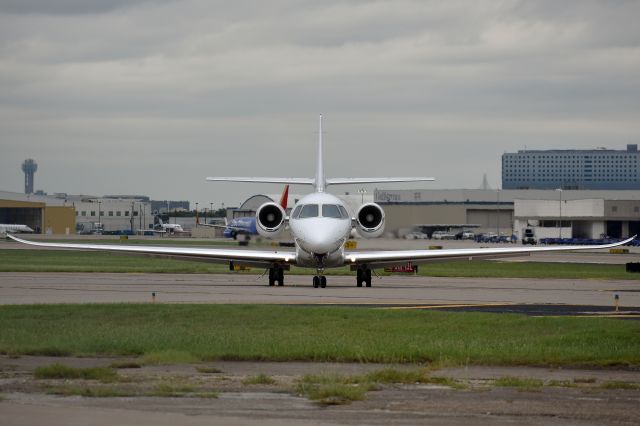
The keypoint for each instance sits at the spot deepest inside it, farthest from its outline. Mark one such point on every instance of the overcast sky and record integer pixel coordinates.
(150, 97)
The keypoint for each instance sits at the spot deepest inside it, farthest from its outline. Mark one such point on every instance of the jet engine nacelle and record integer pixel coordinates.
(270, 220)
(370, 220)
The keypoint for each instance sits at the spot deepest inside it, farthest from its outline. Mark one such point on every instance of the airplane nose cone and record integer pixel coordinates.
(320, 241)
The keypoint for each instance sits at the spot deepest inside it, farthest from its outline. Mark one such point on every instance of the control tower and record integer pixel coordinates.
(29, 168)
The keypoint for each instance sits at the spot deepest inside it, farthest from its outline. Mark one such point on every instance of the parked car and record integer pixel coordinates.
(487, 237)
(416, 235)
(442, 235)
(465, 235)
(529, 237)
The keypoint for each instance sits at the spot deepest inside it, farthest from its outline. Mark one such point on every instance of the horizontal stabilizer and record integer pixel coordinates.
(349, 181)
(290, 181)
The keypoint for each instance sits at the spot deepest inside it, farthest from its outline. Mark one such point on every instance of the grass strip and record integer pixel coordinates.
(91, 391)
(333, 390)
(260, 379)
(76, 261)
(620, 385)
(60, 371)
(192, 333)
(520, 383)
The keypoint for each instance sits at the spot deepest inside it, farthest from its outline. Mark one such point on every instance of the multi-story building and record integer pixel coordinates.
(572, 169)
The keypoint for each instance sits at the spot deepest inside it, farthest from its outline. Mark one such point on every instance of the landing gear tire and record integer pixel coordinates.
(276, 275)
(316, 281)
(323, 281)
(272, 279)
(280, 277)
(363, 276)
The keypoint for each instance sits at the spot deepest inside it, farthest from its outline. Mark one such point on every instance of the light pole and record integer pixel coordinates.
(196, 215)
(498, 214)
(560, 204)
(362, 191)
(211, 209)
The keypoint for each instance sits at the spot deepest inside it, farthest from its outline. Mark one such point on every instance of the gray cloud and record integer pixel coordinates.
(151, 97)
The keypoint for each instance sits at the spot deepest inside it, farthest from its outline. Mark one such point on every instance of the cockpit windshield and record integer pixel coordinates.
(332, 211)
(309, 210)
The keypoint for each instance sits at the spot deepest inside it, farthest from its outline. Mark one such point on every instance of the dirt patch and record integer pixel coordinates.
(268, 393)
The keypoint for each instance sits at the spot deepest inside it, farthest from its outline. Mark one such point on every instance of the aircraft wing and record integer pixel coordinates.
(257, 258)
(379, 259)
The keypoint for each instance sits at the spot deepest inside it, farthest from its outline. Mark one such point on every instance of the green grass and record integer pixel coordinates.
(337, 389)
(391, 375)
(260, 379)
(190, 333)
(169, 356)
(522, 384)
(77, 261)
(60, 371)
(171, 390)
(91, 391)
(333, 390)
(620, 385)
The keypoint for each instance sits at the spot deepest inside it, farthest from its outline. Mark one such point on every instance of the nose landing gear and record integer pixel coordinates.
(319, 281)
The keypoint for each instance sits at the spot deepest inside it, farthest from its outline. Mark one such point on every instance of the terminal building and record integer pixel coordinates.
(572, 169)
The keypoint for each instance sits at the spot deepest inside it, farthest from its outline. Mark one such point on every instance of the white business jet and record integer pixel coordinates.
(320, 225)
(5, 228)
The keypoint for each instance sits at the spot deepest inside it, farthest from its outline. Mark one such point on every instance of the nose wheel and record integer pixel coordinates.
(319, 281)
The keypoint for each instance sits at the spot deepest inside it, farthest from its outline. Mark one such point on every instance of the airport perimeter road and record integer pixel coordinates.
(23, 288)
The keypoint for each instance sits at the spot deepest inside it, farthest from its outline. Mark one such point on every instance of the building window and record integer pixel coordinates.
(84, 213)
(126, 213)
(110, 212)
(93, 213)
(118, 213)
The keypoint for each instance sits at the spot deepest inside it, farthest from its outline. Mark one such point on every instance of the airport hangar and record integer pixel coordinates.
(66, 214)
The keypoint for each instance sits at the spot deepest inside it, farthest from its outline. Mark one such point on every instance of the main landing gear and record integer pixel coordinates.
(319, 281)
(276, 274)
(363, 276)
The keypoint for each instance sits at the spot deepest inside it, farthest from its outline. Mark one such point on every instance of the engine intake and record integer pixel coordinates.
(270, 220)
(370, 220)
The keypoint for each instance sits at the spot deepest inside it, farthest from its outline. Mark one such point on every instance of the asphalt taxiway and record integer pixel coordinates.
(483, 294)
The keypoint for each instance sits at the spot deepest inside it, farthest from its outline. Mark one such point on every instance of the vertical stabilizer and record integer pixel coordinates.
(320, 181)
(284, 200)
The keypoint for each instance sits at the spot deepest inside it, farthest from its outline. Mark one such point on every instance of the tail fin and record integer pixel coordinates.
(319, 181)
(284, 200)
